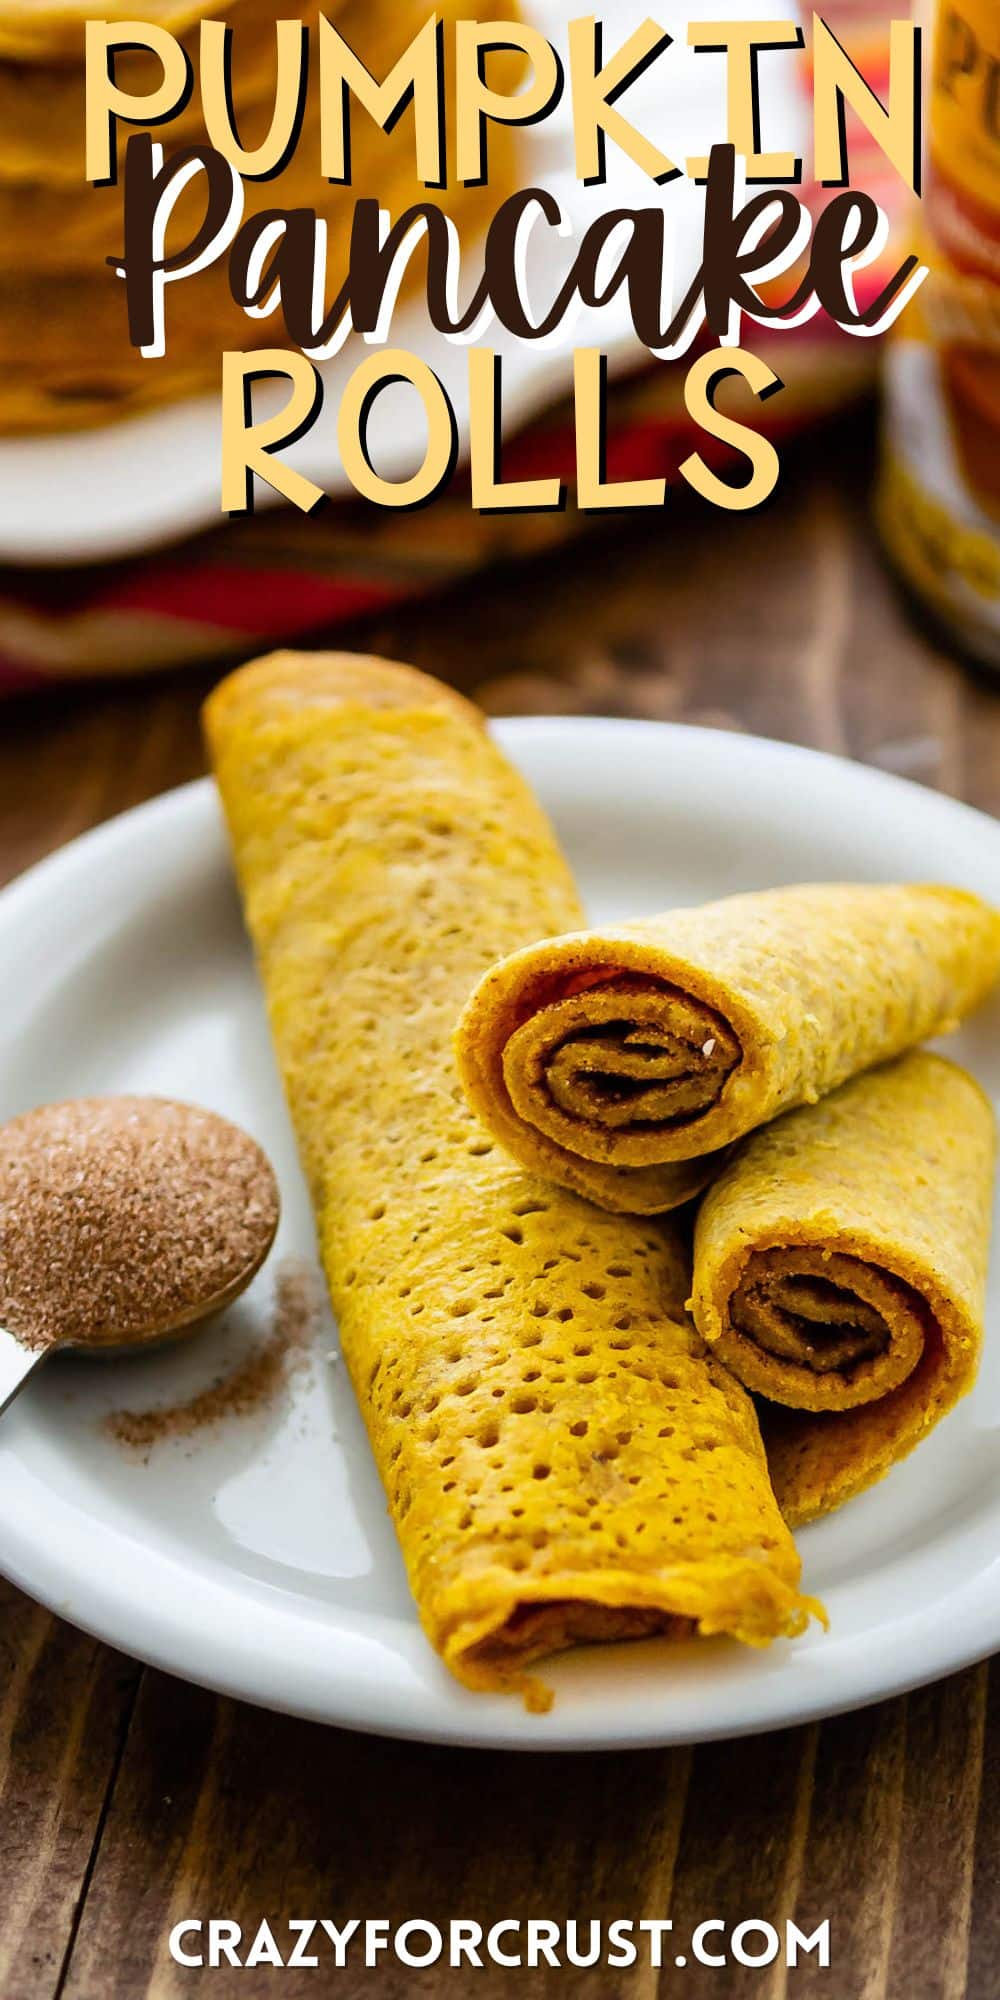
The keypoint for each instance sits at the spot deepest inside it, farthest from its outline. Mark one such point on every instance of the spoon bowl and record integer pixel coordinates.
(125, 1223)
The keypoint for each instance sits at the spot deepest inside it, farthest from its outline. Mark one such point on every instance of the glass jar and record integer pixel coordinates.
(939, 496)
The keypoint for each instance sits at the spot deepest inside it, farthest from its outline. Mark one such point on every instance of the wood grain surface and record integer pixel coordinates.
(128, 1799)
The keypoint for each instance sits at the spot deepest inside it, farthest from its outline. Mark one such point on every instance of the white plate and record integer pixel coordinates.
(260, 1560)
(86, 496)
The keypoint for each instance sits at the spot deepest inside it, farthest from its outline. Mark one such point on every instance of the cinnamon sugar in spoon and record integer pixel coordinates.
(124, 1221)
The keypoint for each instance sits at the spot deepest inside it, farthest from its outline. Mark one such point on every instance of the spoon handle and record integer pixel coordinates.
(16, 1364)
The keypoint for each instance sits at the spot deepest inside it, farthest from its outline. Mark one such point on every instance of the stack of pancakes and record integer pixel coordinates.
(65, 358)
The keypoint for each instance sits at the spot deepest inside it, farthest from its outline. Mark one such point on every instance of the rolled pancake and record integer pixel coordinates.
(562, 1460)
(50, 228)
(53, 377)
(43, 106)
(43, 31)
(603, 1058)
(91, 228)
(840, 1271)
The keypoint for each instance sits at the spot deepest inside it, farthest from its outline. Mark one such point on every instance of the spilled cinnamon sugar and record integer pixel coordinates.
(252, 1384)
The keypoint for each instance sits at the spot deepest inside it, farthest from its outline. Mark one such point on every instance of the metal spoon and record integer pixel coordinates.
(124, 1222)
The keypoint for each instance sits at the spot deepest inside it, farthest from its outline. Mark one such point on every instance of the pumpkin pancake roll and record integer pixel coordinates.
(840, 1271)
(605, 1058)
(563, 1461)
(65, 357)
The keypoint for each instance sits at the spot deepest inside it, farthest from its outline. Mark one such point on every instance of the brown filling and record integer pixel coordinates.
(553, 1625)
(829, 1315)
(629, 1055)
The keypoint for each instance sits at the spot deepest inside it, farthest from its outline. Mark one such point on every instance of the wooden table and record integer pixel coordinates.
(130, 1799)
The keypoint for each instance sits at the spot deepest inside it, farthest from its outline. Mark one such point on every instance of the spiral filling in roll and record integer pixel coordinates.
(840, 1273)
(625, 1062)
(822, 1331)
(629, 1056)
